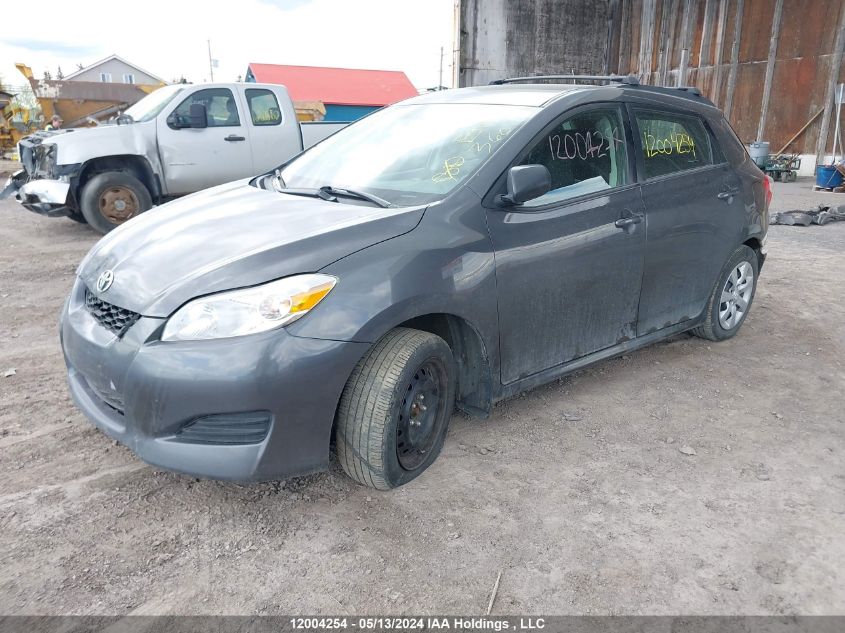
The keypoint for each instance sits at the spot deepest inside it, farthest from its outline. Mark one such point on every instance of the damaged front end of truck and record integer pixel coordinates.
(42, 186)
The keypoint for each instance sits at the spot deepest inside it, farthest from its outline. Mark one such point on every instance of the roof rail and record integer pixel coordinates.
(630, 80)
(690, 89)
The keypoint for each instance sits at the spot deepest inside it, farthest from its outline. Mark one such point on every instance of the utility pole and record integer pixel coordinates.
(210, 63)
(440, 83)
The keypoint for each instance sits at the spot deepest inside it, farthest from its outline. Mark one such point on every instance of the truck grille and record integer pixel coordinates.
(113, 318)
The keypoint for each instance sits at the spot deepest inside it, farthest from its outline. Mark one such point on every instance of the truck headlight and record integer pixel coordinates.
(47, 158)
(248, 311)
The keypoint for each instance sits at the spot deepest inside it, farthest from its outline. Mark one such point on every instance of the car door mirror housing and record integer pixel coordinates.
(526, 182)
(199, 116)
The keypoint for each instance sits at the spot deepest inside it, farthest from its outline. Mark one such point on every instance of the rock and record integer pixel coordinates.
(482, 451)
(572, 417)
(10, 372)
(670, 440)
(687, 450)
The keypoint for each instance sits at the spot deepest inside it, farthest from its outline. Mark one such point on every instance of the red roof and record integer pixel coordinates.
(340, 86)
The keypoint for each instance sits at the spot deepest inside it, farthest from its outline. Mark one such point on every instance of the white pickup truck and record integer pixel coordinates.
(176, 140)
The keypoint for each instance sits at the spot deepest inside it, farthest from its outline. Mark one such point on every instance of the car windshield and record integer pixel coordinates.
(408, 154)
(149, 107)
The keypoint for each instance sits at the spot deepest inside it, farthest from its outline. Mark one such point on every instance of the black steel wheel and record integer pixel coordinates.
(419, 414)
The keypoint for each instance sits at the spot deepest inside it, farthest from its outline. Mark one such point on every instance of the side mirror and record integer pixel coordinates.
(526, 182)
(199, 116)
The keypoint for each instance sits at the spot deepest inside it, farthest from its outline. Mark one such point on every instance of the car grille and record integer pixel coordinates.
(226, 429)
(113, 318)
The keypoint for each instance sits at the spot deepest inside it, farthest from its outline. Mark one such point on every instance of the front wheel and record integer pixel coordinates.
(110, 199)
(395, 409)
(731, 298)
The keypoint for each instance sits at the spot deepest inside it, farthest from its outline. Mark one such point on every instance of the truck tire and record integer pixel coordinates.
(395, 409)
(110, 199)
(731, 298)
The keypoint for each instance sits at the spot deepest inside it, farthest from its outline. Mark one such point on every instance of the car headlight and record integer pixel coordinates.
(248, 311)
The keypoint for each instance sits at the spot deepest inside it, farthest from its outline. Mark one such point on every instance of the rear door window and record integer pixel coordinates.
(672, 143)
(263, 107)
(584, 153)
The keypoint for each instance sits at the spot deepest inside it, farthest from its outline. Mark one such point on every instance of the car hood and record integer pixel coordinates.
(231, 236)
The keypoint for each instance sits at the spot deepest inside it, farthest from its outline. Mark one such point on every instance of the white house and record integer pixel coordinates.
(115, 70)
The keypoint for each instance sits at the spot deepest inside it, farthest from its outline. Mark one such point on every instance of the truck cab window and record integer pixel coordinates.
(263, 107)
(220, 107)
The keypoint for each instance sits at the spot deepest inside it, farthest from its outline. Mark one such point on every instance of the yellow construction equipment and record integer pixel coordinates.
(81, 103)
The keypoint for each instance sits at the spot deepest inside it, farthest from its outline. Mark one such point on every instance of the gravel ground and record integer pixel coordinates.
(578, 492)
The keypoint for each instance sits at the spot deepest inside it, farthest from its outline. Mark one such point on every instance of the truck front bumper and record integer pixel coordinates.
(45, 197)
(250, 408)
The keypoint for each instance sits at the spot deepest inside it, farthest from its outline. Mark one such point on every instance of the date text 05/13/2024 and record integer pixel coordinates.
(419, 623)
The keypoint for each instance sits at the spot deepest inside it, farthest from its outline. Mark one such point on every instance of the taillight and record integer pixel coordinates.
(767, 188)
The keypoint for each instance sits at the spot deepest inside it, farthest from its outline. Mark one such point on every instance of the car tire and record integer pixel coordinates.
(395, 409)
(732, 296)
(110, 199)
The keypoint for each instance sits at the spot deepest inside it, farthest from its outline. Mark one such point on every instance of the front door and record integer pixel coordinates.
(694, 214)
(197, 158)
(569, 264)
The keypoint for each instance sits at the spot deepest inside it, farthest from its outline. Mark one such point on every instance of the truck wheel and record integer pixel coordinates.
(395, 408)
(112, 198)
(731, 298)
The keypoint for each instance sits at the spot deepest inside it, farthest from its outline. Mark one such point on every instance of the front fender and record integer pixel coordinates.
(444, 267)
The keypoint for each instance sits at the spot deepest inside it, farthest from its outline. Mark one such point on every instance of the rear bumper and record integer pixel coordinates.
(45, 197)
(144, 393)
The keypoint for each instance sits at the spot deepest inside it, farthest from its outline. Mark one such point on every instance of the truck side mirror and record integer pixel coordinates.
(199, 116)
(526, 182)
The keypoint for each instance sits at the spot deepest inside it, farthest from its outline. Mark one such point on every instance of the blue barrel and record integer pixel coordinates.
(828, 177)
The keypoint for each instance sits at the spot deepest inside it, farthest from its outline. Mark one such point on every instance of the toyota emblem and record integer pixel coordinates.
(105, 280)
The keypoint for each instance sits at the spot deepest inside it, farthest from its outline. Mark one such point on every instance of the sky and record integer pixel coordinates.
(169, 39)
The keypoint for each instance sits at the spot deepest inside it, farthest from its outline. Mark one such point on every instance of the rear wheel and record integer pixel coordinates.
(110, 199)
(395, 409)
(731, 298)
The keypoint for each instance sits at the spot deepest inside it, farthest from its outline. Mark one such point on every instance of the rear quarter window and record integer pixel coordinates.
(263, 107)
(672, 143)
(733, 148)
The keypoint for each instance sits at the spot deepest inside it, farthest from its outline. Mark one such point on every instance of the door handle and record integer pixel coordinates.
(727, 194)
(232, 138)
(634, 218)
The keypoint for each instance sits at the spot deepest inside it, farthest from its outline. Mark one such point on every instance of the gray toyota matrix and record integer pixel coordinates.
(451, 250)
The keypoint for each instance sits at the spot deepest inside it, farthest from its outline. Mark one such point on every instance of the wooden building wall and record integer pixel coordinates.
(769, 64)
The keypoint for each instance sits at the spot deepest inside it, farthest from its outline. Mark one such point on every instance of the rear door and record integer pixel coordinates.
(569, 264)
(197, 158)
(694, 214)
(274, 133)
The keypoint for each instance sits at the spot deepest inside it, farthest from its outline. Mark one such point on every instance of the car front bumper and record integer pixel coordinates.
(145, 393)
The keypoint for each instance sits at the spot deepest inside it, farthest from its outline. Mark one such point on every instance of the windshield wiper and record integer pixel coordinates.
(329, 192)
